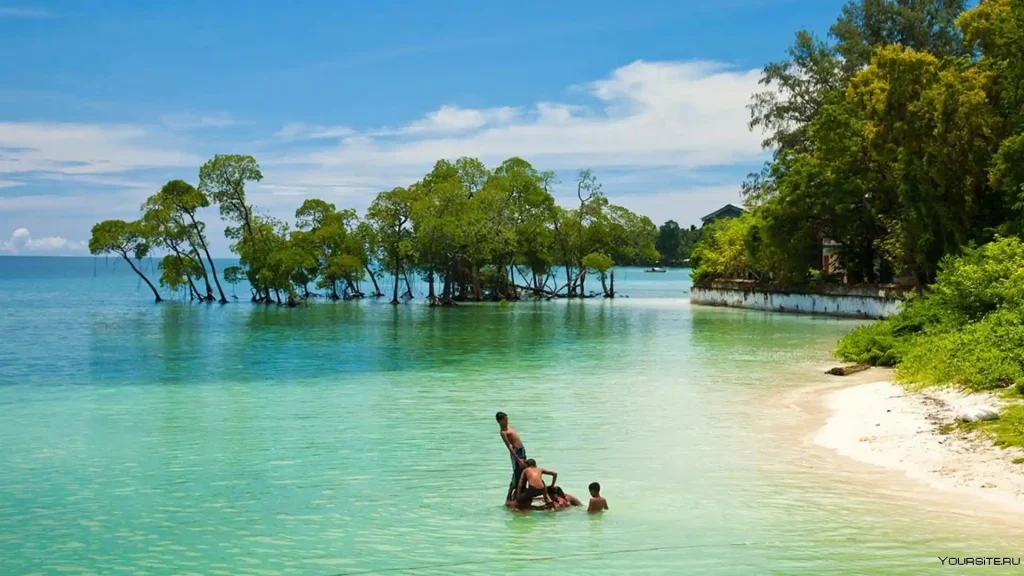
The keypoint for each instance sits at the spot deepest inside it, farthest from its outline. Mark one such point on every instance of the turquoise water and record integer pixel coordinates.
(343, 438)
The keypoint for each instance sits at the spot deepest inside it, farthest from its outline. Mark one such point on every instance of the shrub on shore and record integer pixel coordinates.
(966, 329)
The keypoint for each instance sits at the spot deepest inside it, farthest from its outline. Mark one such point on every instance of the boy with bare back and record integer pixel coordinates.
(516, 449)
(531, 485)
(597, 502)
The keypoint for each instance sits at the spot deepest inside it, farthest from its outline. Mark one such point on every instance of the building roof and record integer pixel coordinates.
(727, 210)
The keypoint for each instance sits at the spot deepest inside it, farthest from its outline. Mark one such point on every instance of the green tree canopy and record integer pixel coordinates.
(129, 240)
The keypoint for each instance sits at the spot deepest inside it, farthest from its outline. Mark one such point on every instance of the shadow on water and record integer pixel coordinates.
(186, 343)
(182, 343)
(749, 339)
(87, 321)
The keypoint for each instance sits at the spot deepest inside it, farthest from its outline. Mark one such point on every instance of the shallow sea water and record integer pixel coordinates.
(360, 438)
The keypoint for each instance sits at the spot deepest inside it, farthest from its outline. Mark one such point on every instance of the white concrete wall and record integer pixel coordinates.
(824, 304)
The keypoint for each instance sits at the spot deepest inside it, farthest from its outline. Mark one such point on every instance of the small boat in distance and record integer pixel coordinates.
(656, 270)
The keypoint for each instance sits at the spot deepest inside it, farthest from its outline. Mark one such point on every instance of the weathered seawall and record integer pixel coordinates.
(831, 300)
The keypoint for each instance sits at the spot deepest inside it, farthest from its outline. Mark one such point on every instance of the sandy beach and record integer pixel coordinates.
(877, 422)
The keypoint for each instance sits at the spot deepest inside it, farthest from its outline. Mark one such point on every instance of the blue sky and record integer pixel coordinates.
(102, 102)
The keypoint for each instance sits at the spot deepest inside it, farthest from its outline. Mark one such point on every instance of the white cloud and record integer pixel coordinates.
(303, 131)
(188, 121)
(687, 114)
(124, 202)
(104, 181)
(453, 119)
(653, 132)
(642, 119)
(22, 242)
(70, 148)
(553, 113)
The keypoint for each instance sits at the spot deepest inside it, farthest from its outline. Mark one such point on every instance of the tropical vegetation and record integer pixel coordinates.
(675, 243)
(473, 233)
(967, 328)
(899, 138)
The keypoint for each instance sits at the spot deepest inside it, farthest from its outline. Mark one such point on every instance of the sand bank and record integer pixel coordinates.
(881, 424)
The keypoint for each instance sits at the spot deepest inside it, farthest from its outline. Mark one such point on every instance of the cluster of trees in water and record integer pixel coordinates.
(899, 137)
(472, 232)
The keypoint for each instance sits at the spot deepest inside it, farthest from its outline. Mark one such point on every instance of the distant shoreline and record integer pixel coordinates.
(877, 422)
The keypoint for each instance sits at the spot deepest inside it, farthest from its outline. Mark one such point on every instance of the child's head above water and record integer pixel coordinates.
(595, 489)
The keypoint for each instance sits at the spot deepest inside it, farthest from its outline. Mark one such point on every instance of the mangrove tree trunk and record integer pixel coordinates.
(376, 289)
(156, 294)
(213, 269)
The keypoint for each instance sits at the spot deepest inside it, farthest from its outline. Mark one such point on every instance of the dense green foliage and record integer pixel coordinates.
(676, 244)
(129, 240)
(474, 233)
(170, 219)
(900, 138)
(724, 253)
(966, 329)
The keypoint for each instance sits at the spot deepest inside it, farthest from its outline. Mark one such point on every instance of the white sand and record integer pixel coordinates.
(881, 424)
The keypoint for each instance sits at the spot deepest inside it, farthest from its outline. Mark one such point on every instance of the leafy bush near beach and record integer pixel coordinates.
(966, 329)
(984, 355)
(874, 344)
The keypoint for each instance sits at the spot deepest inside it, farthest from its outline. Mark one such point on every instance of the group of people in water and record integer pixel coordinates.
(528, 485)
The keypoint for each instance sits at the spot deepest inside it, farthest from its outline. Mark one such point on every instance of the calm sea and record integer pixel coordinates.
(357, 437)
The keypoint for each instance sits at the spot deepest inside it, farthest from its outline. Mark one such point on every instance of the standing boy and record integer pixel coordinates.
(515, 447)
